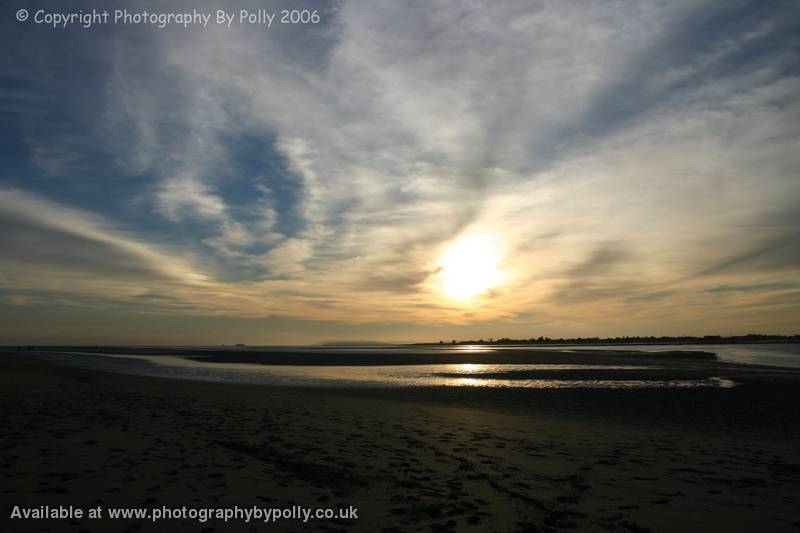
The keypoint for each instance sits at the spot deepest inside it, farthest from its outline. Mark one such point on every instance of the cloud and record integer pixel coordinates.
(627, 157)
(288, 257)
(770, 246)
(601, 261)
(185, 197)
(50, 247)
(762, 287)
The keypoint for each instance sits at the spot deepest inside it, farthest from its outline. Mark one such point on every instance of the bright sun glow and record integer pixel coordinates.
(469, 266)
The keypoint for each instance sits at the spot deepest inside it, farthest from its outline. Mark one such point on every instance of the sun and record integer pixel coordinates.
(469, 267)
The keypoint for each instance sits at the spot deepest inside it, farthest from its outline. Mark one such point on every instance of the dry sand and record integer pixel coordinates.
(408, 459)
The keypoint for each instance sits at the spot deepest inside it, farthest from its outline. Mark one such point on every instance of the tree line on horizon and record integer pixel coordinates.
(687, 339)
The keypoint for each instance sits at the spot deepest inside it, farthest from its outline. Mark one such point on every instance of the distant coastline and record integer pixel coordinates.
(618, 341)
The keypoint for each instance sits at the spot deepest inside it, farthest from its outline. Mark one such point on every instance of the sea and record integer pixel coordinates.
(185, 366)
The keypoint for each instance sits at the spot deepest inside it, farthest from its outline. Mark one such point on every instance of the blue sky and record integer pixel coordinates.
(635, 165)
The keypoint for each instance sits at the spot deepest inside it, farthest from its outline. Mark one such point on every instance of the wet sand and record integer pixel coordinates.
(433, 459)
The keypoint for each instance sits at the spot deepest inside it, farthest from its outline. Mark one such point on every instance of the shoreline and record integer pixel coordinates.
(421, 459)
(761, 402)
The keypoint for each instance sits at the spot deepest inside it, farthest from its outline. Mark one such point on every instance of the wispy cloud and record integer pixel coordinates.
(628, 157)
(49, 246)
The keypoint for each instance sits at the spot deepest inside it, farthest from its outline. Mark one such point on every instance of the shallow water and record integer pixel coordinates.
(772, 354)
(370, 376)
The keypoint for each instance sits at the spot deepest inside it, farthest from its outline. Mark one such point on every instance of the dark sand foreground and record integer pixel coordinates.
(408, 459)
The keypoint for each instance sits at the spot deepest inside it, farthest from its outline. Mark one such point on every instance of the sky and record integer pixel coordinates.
(401, 171)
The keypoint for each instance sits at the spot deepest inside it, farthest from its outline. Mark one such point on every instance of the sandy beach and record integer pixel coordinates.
(433, 459)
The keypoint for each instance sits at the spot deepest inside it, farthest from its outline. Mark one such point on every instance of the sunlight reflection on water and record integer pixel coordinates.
(372, 376)
(473, 348)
